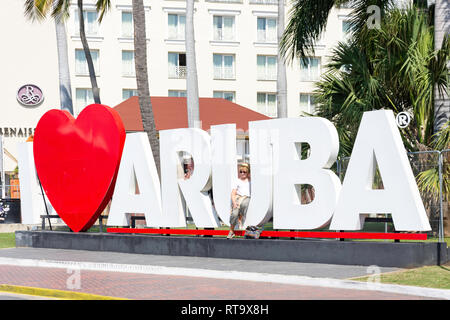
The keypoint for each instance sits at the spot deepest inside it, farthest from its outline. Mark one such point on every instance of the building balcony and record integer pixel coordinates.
(264, 75)
(178, 72)
(226, 73)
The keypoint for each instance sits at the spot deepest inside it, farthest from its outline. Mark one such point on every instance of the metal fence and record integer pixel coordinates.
(444, 201)
(436, 166)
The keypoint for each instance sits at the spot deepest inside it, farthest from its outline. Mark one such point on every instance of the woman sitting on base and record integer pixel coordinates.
(240, 197)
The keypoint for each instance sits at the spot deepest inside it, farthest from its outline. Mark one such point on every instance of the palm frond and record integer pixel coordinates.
(103, 6)
(61, 10)
(37, 9)
(307, 20)
(441, 139)
(428, 182)
(361, 16)
(395, 67)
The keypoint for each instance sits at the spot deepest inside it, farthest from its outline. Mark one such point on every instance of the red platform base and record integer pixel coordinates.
(280, 234)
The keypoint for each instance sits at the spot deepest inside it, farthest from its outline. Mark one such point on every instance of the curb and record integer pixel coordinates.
(53, 293)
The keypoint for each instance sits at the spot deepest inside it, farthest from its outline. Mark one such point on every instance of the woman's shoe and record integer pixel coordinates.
(230, 235)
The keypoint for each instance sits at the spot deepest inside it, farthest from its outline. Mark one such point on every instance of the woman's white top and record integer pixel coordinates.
(242, 187)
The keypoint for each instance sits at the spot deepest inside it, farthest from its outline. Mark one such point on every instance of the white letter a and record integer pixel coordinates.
(379, 141)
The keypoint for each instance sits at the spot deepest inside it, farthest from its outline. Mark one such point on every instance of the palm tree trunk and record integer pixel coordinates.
(87, 52)
(281, 68)
(441, 30)
(193, 111)
(140, 58)
(65, 89)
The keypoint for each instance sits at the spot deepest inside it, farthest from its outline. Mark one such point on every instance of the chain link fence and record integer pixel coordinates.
(425, 164)
(431, 170)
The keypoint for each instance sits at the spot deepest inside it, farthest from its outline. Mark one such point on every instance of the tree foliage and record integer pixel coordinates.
(394, 67)
(308, 19)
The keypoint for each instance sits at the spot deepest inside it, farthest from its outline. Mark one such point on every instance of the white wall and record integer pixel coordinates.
(28, 55)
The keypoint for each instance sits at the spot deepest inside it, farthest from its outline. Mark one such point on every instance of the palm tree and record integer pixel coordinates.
(308, 19)
(65, 88)
(428, 180)
(380, 70)
(87, 53)
(193, 111)
(395, 67)
(140, 58)
(281, 68)
(441, 31)
(37, 11)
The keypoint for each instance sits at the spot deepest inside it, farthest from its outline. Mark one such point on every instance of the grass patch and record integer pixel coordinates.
(430, 277)
(7, 240)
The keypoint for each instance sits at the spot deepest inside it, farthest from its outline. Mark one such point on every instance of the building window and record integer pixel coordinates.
(177, 24)
(128, 69)
(227, 95)
(84, 97)
(128, 93)
(177, 93)
(177, 65)
(307, 103)
(310, 69)
(346, 29)
(127, 24)
(81, 67)
(242, 149)
(223, 66)
(90, 22)
(266, 67)
(267, 103)
(223, 28)
(267, 29)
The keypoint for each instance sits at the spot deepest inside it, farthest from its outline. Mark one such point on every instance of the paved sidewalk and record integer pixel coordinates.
(135, 276)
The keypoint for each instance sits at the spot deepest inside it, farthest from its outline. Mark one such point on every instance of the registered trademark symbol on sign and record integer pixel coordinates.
(403, 119)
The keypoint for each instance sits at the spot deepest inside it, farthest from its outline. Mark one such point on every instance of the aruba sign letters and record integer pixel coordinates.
(83, 163)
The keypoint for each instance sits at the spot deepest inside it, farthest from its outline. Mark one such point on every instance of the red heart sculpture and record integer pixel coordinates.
(77, 161)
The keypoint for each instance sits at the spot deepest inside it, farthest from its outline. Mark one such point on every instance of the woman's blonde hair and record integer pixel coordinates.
(244, 165)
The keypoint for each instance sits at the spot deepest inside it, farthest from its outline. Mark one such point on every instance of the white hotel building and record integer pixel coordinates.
(236, 48)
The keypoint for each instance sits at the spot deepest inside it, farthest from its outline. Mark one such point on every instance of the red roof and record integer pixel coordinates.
(171, 113)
